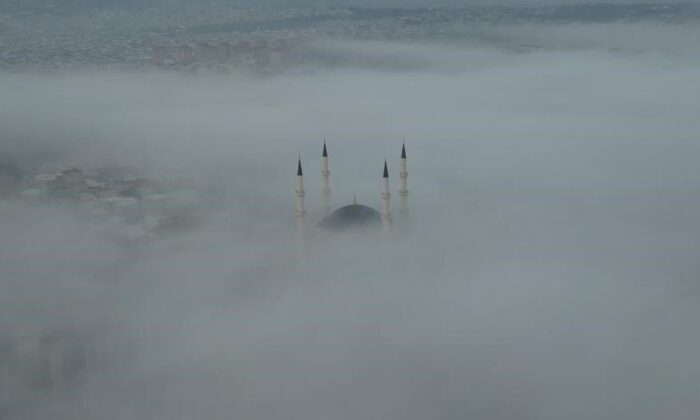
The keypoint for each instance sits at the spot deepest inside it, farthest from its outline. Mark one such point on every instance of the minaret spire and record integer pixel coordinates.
(386, 214)
(325, 183)
(403, 188)
(300, 211)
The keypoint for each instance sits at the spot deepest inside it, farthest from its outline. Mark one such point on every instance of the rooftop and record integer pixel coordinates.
(350, 217)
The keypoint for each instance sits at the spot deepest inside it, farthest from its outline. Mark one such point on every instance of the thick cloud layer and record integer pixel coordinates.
(547, 269)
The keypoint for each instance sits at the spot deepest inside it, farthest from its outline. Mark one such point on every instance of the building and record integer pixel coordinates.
(352, 216)
(185, 54)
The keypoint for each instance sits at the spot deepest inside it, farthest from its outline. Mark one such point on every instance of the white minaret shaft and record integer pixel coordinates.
(325, 186)
(403, 189)
(386, 214)
(300, 198)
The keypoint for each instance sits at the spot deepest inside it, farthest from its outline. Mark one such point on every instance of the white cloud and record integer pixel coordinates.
(548, 270)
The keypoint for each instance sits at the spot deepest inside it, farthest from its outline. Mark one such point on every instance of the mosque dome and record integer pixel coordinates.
(354, 216)
(350, 217)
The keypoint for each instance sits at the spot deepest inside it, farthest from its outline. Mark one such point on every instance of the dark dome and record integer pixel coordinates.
(352, 216)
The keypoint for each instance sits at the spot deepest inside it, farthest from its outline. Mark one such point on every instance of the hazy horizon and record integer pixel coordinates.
(336, 3)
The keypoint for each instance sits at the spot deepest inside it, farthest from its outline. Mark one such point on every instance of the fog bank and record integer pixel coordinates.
(547, 269)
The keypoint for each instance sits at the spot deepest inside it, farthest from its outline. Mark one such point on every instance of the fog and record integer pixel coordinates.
(547, 269)
(88, 4)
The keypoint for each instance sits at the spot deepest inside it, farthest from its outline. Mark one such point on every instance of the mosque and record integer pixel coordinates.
(352, 216)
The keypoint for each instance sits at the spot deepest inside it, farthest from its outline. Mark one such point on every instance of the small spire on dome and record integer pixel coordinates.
(299, 171)
(325, 152)
(354, 199)
(403, 151)
(386, 170)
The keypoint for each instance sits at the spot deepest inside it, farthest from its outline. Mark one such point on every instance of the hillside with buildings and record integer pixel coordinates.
(260, 39)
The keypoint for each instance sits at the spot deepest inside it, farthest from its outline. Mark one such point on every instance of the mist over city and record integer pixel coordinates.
(196, 223)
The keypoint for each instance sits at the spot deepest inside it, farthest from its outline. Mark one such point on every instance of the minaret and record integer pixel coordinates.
(325, 186)
(386, 215)
(300, 198)
(403, 189)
